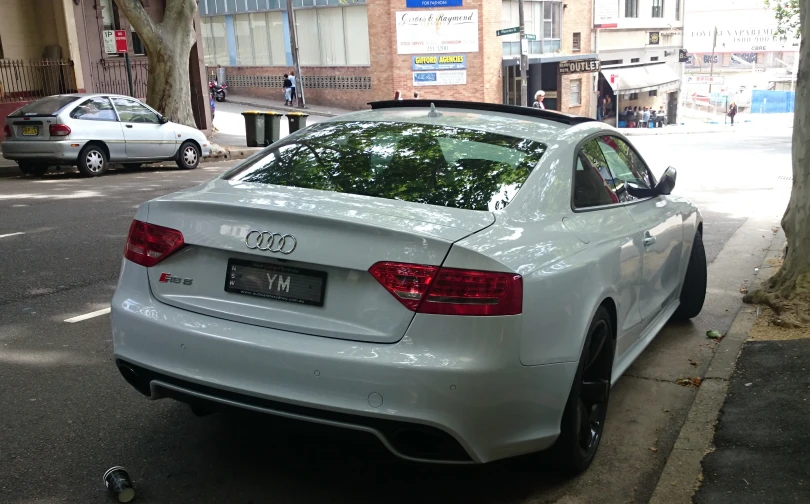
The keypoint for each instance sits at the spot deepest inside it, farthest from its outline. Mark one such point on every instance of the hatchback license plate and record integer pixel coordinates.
(274, 281)
(30, 130)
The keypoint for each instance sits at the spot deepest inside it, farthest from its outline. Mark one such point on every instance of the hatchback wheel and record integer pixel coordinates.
(92, 161)
(189, 156)
(583, 420)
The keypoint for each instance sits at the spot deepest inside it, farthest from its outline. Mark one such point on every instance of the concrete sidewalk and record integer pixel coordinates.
(278, 106)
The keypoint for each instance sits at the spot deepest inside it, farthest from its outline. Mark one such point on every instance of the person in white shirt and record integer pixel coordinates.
(292, 89)
(538, 99)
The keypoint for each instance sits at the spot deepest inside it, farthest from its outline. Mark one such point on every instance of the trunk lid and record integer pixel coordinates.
(337, 238)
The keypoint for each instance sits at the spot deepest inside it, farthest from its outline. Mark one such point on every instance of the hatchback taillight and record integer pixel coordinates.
(148, 244)
(7, 131)
(450, 291)
(59, 130)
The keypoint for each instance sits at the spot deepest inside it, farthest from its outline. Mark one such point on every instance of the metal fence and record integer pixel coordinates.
(110, 76)
(29, 80)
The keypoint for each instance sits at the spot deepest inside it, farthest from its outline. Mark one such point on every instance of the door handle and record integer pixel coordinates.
(648, 239)
(128, 125)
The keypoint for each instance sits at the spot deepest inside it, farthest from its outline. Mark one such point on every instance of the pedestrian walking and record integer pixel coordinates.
(599, 114)
(293, 98)
(287, 87)
(538, 99)
(645, 118)
(732, 111)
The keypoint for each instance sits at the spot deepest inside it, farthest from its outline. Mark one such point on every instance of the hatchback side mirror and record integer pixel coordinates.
(667, 182)
(163, 119)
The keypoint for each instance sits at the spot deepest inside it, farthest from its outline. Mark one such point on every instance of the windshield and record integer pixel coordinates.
(46, 106)
(437, 165)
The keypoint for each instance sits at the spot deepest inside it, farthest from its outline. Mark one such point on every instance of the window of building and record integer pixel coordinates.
(575, 96)
(577, 42)
(215, 43)
(612, 62)
(654, 92)
(109, 15)
(654, 58)
(634, 60)
(542, 19)
(631, 8)
(632, 96)
(137, 44)
(658, 8)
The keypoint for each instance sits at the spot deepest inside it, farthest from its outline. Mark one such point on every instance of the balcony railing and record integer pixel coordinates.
(22, 81)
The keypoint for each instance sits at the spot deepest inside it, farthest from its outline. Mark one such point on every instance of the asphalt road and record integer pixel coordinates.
(750, 464)
(66, 414)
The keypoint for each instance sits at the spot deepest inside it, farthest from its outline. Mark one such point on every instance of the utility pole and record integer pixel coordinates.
(299, 84)
(711, 68)
(524, 59)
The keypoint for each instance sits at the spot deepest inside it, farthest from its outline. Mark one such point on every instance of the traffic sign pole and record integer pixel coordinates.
(129, 75)
(524, 59)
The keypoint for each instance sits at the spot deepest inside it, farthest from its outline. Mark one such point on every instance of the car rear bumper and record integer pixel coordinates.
(455, 380)
(42, 150)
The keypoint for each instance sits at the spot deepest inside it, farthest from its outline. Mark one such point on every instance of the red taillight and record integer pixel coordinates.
(148, 244)
(450, 291)
(7, 131)
(59, 130)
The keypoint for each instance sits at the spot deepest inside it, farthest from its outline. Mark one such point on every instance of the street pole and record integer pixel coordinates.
(129, 75)
(711, 68)
(524, 59)
(299, 85)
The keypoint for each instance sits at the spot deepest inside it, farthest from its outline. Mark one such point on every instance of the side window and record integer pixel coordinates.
(628, 169)
(134, 112)
(593, 184)
(94, 109)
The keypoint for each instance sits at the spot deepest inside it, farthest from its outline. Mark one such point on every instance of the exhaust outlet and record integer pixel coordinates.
(133, 378)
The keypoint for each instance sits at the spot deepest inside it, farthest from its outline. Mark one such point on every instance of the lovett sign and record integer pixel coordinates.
(579, 66)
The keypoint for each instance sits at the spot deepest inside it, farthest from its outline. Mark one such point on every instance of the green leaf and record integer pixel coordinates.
(713, 334)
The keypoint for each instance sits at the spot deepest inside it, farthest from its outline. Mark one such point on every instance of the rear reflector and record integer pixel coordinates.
(59, 130)
(148, 244)
(449, 291)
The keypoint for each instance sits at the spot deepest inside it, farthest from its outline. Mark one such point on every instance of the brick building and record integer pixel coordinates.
(354, 51)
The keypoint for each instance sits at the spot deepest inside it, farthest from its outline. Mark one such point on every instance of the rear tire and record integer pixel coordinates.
(584, 416)
(33, 169)
(188, 157)
(92, 161)
(693, 292)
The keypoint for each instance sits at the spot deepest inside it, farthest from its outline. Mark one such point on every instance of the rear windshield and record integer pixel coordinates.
(437, 165)
(46, 106)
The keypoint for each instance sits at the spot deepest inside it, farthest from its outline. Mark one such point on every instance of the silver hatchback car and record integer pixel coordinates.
(92, 130)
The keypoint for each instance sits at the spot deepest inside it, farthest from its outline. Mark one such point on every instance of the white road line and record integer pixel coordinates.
(88, 316)
(11, 234)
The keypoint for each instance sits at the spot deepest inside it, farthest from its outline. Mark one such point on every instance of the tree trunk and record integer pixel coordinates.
(791, 284)
(168, 45)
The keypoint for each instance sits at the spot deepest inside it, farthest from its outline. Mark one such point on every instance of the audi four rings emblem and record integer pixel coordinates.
(270, 242)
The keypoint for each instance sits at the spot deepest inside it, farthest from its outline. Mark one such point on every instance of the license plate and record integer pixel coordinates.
(30, 130)
(274, 281)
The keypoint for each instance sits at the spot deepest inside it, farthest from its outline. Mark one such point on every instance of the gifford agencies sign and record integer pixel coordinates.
(437, 31)
(579, 66)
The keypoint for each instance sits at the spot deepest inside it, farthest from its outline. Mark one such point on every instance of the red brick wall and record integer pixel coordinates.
(577, 18)
(352, 99)
(391, 71)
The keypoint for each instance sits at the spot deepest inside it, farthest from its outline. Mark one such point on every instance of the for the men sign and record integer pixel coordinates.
(579, 66)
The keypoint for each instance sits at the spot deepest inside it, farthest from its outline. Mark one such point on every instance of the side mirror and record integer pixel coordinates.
(163, 119)
(667, 182)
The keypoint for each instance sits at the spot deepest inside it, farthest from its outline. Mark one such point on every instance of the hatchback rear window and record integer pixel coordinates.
(436, 165)
(46, 106)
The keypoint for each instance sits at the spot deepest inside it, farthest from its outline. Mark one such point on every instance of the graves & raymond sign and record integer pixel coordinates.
(579, 66)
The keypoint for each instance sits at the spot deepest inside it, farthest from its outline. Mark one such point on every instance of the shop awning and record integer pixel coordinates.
(641, 78)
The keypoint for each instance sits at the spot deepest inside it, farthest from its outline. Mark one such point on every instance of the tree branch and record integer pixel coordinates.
(140, 20)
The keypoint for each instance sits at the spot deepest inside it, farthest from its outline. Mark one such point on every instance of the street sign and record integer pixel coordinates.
(531, 36)
(109, 41)
(508, 31)
(705, 79)
(121, 41)
(683, 56)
